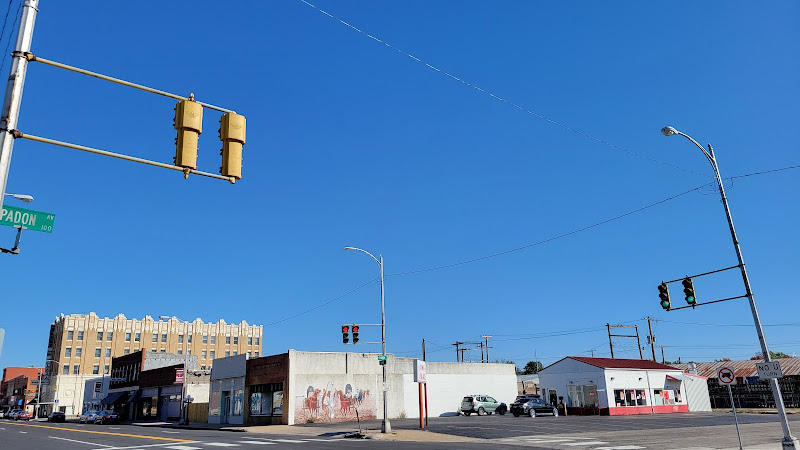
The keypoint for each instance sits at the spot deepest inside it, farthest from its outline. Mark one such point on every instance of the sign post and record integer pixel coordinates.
(420, 377)
(726, 377)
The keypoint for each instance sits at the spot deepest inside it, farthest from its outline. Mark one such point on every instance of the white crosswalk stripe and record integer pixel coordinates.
(182, 447)
(292, 441)
(220, 444)
(620, 447)
(257, 442)
(576, 444)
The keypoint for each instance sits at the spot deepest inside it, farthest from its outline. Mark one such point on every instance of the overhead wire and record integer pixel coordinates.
(497, 97)
(8, 44)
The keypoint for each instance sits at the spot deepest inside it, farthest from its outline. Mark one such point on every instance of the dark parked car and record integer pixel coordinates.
(532, 407)
(22, 415)
(56, 416)
(106, 416)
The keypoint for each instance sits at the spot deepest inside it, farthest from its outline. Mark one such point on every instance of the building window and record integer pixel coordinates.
(110, 336)
(213, 339)
(127, 337)
(137, 337)
(256, 354)
(238, 402)
(180, 339)
(212, 354)
(65, 369)
(97, 352)
(96, 369)
(249, 340)
(68, 352)
(155, 337)
(227, 353)
(236, 340)
(80, 335)
(105, 368)
(630, 397)
(127, 351)
(203, 367)
(154, 350)
(180, 351)
(108, 352)
(164, 337)
(99, 335)
(257, 340)
(70, 335)
(78, 352)
(235, 353)
(76, 369)
(248, 355)
(204, 354)
(190, 338)
(205, 339)
(163, 350)
(189, 352)
(227, 340)
(267, 399)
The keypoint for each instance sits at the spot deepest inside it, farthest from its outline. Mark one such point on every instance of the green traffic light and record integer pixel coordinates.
(691, 300)
(665, 304)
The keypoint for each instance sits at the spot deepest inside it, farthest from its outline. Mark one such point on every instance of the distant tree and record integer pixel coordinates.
(778, 355)
(722, 359)
(532, 367)
(756, 358)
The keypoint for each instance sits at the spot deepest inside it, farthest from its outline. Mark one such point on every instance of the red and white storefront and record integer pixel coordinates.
(614, 386)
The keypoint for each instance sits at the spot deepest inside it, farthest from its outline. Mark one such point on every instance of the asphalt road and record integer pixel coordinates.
(73, 436)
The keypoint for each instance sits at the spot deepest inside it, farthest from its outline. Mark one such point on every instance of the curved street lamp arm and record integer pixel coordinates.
(362, 250)
(709, 156)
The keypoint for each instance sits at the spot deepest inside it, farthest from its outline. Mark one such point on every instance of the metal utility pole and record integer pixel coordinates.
(13, 98)
(486, 338)
(788, 440)
(610, 344)
(652, 338)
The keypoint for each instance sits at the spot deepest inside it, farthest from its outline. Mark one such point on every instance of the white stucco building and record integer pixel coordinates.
(614, 386)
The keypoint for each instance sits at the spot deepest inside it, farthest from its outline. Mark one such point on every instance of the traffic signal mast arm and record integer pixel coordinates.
(688, 290)
(19, 135)
(354, 328)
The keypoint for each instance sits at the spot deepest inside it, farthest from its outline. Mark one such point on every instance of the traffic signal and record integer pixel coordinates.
(355, 334)
(232, 128)
(189, 123)
(345, 335)
(688, 290)
(663, 294)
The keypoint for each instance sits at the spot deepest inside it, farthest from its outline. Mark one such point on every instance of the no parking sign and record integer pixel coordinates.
(726, 376)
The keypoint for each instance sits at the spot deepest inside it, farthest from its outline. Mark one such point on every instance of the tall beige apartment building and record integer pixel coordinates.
(83, 344)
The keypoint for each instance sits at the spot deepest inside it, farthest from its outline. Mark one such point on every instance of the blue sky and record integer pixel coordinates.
(351, 142)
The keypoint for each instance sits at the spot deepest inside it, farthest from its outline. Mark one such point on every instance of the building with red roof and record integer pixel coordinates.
(616, 386)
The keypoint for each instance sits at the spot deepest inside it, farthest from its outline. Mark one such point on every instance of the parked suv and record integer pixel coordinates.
(482, 405)
(532, 407)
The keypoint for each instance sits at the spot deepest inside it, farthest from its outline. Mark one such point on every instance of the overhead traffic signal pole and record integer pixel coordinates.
(788, 440)
(13, 97)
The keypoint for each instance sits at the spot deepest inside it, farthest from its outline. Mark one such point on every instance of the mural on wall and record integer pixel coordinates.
(329, 404)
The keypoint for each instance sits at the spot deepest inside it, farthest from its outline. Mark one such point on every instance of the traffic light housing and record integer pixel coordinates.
(355, 334)
(663, 294)
(345, 334)
(189, 123)
(688, 290)
(232, 129)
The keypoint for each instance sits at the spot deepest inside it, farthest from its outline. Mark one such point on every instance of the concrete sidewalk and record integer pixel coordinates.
(370, 429)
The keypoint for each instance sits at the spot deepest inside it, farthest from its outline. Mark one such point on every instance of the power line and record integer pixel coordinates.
(323, 304)
(8, 44)
(497, 97)
(544, 241)
(795, 324)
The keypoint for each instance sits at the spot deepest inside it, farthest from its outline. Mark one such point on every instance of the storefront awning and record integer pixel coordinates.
(112, 398)
(135, 396)
(675, 377)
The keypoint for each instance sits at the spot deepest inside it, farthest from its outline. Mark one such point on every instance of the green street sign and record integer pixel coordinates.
(27, 218)
(381, 357)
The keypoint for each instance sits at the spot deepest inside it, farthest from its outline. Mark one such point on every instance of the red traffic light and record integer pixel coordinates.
(345, 328)
(355, 328)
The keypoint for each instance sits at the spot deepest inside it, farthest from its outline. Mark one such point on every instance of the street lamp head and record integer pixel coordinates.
(668, 131)
(24, 197)
(349, 248)
(164, 317)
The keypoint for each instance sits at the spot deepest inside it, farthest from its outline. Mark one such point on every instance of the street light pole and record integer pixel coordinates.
(788, 440)
(185, 358)
(386, 427)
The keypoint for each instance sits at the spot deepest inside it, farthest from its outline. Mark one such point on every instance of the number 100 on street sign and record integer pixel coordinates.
(27, 218)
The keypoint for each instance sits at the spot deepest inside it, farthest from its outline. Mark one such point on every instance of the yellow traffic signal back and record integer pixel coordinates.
(189, 123)
(232, 128)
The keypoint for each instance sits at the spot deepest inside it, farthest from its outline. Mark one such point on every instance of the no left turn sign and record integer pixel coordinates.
(726, 376)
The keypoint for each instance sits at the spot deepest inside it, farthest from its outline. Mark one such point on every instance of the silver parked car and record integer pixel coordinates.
(88, 417)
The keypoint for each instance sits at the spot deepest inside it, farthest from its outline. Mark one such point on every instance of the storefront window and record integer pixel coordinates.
(237, 402)
(277, 403)
(641, 398)
(575, 396)
(213, 404)
(590, 395)
(619, 397)
(266, 399)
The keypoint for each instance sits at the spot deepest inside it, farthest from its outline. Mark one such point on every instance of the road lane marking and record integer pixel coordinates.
(620, 447)
(291, 441)
(158, 438)
(167, 431)
(183, 447)
(80, 442)
(574, 444)
(165, 444)
(220, 444)
(257, 442)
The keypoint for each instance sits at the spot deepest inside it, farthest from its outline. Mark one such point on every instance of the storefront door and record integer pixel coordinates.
(226, 406)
